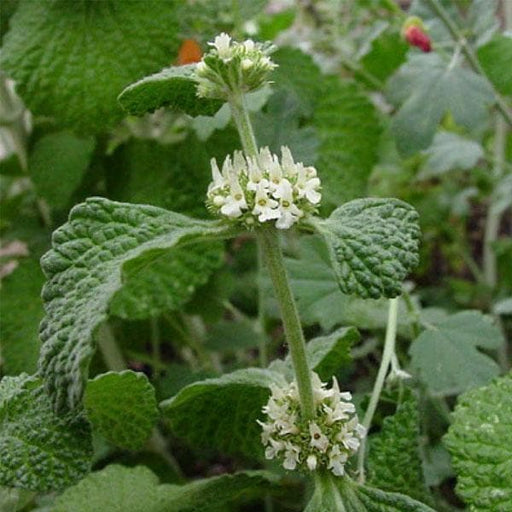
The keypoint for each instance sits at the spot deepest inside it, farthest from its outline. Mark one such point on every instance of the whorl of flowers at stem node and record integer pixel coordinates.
(252, 190)
(327, 441)
(232, 66)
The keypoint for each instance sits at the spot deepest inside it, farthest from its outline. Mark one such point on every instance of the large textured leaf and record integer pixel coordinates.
(495, 58)
(122, 407)
(222, 412)
(172, 87)
(158, 284)
(39, 450)
(348, 131)
(480, 443)
(376, 500)
(397, 446)
(325, 354)
(446, 356)
(373, 245)
(84, 272)
(57, 164)
(122, 489)
(21, 310)
(426, 89)
(71, 59)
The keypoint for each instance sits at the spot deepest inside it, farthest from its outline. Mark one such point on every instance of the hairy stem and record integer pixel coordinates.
(470, 55)
(269, 240)
(389, 350)
(240, 114)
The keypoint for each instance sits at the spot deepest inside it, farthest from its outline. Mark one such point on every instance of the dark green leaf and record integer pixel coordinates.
(84, 272)
(172, 87)
(222, 412)
(122, 407)
(446, 356)
(57, 163)
(71, 59)
(480, 443)
(40, 451)
(495, 58)
(373, 245)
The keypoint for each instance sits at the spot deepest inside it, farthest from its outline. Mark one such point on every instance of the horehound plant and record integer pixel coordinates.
(372, 243)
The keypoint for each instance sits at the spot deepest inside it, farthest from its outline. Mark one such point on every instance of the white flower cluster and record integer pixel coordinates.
(262, 189)
(327, 442)
(230, 65)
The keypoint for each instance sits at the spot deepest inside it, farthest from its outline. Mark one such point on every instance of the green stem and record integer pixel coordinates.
(389, 350)
(470, 54)
(155, 345)
(109, 349)
(269, 241)
(240, 114)
(260, 322)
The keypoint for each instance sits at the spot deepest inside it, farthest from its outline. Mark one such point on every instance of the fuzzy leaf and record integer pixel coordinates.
(495, 58)
(84, 271)
(21, 311)
(222, 412)
(348, 132)
(426, 89)
(325, 354)
(122, 489)
(397, 446)
(57, 164)
(122, 407)
(373, 244)
(480, 443)
(446, 356)
(376, 500)
(173, 87)
(40, 451)
(158, 284)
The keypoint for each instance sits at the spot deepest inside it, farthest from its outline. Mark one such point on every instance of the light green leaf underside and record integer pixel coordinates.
(21, 310)
(84, 272)
(480, 443)
(122, 489)
(163, 281)
(446, 356)
(426, 89)
(57, 164)
(348, 131)
(40, 451)
(222, 412)
(173, 87)
(376, 500)
(71, 59)
(325, 354)
(450, 151)
(373, 244)
(397, 446)
(495, 58)
(122, 407)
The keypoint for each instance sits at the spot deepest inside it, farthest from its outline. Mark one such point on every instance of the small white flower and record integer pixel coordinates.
(311, 462)
(265, 207)
(291, 456)
(337, 460)
(318, 439)
(267, 430)
(247, 64)
(222, 44)
(274, 449)
(307, 185)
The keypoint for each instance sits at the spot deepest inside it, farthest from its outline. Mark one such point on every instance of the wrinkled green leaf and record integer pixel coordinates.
(71, 59)
(480, 443)
(122, 489)
(84, 271)
(222, 412)
(122, 407)
(373, 244)
(446, 356)
(376, 500)
(173, 87)
(495, 58)
(21, 311)
(450, 151)
(40, 451)
(426, 89)
(397, 446)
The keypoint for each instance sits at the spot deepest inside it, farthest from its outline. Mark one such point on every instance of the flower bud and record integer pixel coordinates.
(415, 34)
